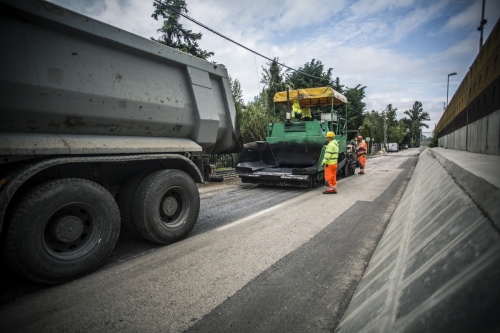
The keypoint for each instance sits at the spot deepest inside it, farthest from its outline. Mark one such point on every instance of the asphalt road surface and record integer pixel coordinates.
(260, 259)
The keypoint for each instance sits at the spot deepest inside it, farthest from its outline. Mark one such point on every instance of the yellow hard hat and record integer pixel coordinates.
(330, 135)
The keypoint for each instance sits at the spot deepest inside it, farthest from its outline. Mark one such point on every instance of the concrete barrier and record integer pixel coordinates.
(437, 266)
(481, 136)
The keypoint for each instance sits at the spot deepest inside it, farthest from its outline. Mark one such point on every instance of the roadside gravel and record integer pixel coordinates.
(215, 187)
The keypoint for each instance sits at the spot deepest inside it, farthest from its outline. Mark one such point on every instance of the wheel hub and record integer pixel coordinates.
(68, 228)
(169, 206)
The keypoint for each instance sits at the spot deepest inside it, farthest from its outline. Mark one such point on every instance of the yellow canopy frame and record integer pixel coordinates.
(311, 97)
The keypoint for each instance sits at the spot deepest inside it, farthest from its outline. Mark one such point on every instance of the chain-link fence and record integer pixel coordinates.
(426, 138)
(220, 161)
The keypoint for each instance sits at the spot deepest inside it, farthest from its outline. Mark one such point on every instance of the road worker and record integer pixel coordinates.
(330, 163)
(362, 150)
(306, 114)
(300, 113)
(296, 111)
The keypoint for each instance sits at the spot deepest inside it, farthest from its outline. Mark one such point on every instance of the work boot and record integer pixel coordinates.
(361, 172)
(330, 190)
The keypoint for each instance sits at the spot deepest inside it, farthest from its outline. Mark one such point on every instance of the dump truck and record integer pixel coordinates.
(99, 129)
(294, 148)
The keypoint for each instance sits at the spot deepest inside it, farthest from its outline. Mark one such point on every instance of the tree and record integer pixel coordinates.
(272, 79)
(373, 126)
(237, 97)
(313, 68)
(254, 119)
(173, 34)
(391, 116)
(355, 107)
(393, 130)
(355, 95)
(400, 131)
(417, 117)
(337, 86)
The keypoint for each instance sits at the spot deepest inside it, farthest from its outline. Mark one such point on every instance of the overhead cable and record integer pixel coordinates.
(235, 42)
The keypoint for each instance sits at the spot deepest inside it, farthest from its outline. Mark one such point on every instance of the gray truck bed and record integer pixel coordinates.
(62, 73)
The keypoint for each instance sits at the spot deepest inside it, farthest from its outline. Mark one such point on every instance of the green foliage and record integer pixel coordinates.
(396, 132)
(173, 34)
(417, 117)
(391, 116)
(237, 94)
(355, 107)
(315, 68)
(274, 81)
(399, 131)
(272, 78)
(406, 124)
(340, 87)
(393, 126)
(254, 119)
(434, 142)
(373, 126)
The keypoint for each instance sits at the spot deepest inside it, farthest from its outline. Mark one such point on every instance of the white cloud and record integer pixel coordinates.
(364, 8)
(356, 39)
(469, 18)
(466, 18)
(465, 48)
(416, 19)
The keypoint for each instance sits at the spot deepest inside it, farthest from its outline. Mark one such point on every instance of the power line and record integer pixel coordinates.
(232, 41)
(256, 71)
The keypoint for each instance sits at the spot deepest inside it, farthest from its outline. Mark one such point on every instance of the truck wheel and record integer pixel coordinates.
(166, 206)
(125, 201)
(61, 230)
(346, 170)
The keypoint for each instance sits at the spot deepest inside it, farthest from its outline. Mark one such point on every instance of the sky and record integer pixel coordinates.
(401, 50)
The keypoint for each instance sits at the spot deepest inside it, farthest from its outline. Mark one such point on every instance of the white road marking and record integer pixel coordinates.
(232, 224)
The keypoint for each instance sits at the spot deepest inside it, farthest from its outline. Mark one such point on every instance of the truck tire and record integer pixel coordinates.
(166, 206)
(352, 169)
(346, 170)
(61, 230)
(125, 201)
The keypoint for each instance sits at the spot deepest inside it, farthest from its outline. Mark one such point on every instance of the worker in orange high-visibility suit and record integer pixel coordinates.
(362, 150)
(330, 163)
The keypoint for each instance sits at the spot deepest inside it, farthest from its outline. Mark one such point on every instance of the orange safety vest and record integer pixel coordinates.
(362, 149)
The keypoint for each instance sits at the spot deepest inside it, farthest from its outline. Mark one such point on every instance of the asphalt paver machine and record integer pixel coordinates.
(293, 150)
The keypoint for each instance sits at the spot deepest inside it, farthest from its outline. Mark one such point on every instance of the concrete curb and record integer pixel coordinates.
(437, 266)
(484, 194)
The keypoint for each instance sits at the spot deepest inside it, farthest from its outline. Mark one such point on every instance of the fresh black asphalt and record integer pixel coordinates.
(310, 289)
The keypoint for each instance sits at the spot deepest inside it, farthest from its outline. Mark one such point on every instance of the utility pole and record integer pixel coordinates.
(385, 130)
(481, 27)
(448, 86)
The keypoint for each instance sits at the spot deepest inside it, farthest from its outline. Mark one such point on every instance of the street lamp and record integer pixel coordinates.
(481, 28)
(448, 87)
